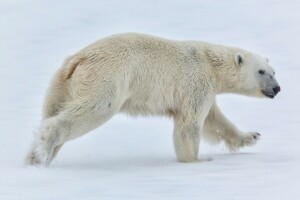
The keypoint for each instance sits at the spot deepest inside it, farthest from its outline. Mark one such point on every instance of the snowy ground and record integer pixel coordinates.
(133, 158)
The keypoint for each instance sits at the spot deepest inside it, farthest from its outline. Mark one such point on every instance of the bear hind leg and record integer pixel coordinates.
(71, 123)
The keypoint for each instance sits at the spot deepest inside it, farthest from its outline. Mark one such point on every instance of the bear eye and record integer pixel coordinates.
(261, 71)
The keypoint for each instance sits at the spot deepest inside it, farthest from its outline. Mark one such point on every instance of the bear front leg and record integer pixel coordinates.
(218, 128)
(186, 138)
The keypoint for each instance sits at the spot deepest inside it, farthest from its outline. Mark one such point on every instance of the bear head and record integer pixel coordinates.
(257, 77)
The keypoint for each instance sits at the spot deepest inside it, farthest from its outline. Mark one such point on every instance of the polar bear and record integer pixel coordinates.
(140, 74)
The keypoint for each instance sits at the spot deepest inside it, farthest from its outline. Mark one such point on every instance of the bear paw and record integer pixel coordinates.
(246, 139)
(38, 157)
(250, 139)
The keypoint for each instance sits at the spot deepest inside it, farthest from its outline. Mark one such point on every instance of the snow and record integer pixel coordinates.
(133, 158)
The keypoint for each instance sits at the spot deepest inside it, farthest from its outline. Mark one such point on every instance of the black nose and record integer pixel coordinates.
(276, 90)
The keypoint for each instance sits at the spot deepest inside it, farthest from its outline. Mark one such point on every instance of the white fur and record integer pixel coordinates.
(144, 75)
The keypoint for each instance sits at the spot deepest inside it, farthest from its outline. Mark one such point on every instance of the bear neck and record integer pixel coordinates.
(226, 75)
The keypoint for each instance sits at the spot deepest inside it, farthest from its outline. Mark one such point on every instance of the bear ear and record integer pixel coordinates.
(267, 60)
(239, 59)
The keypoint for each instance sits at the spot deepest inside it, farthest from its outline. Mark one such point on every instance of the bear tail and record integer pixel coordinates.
(58, 91)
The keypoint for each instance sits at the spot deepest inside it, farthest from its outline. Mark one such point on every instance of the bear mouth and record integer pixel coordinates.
(268, 95)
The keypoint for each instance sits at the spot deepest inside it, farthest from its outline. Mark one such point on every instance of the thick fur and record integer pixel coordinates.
(145, 75)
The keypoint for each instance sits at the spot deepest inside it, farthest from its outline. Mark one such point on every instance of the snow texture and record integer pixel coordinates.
(133, 158)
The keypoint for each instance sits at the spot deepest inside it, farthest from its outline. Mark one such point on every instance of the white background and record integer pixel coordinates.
(133, 158)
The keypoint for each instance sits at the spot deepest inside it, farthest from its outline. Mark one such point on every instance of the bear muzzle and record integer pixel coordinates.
(271, 93)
